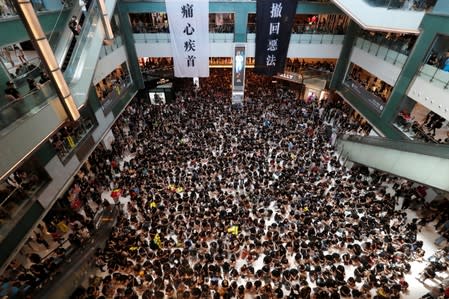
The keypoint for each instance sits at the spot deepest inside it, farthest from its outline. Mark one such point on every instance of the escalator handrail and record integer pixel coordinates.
(411, 146)
(57, 20)
(86, 32)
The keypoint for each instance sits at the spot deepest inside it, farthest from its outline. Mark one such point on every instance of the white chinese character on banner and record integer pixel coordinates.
(276, 10)
(272, 45)
(271, 60)
(274, 28)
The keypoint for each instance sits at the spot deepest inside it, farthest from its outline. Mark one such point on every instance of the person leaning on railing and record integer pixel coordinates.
(12, 91)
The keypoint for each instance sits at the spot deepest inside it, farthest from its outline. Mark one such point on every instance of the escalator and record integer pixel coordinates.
(72, 45)
(69, 54)
(80, 69)
(425, 163)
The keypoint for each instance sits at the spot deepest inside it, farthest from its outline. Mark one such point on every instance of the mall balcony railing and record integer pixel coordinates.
(9, 11)
(394, 54)
(417, 5)
(385, 51)
(165, 37)
(30, 69)
(308, 38)
(118, 91)
(108, 49)
(15, 199)
(66, 145)
(434, 75)
(32, 102)
(330, 29)
(27, 105)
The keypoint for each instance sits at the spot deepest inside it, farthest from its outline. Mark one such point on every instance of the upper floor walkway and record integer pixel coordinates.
(386, 15)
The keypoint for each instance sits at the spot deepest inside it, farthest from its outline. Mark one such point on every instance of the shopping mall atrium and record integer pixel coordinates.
(224, 149)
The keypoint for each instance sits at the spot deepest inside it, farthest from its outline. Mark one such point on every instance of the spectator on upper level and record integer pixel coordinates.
(12, 90)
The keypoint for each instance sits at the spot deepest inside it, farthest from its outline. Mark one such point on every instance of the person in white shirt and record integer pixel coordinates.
(83, 7)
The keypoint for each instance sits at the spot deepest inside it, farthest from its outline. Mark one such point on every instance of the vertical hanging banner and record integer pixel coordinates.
(238, 75)
(189, 35)
(274, 20)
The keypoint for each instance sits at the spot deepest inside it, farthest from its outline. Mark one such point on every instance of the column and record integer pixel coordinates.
(408, 73)
(128, 41)
(241, 23)
(345, 55)
(108, 34)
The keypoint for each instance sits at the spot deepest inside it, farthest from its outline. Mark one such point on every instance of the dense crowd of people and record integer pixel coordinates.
(311, 24)
(111, 86)
(57, 236)
(222, 201)
(149, 22)
(298, 65)
(246, 202)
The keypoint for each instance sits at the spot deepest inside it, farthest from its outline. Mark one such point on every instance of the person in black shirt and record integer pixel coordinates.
(11, 90)
(73, 25)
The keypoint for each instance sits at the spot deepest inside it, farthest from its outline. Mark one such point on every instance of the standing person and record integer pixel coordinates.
(7, 55)
(238, 63)
(73, 25)
(438, 124)
(32, 84)
(19, 53)
(44, 78)
(83, 7)
(446, 64)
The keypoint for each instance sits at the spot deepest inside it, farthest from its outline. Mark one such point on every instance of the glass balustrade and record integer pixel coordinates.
(108, 49)
(18, 191)
(66, 139)
(7, 9)
(119, 89)
(383, 51)
(434, 75)
(308, 38)
(165, 37)
(221, 37)
(417, 5)
(152, 37)
(430, 73)
(29, 104)
(251, 37)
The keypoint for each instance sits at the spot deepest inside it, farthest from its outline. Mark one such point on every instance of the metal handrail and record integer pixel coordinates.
(412, 146)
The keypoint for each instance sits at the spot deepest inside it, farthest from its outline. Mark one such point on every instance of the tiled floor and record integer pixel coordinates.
(420, 112)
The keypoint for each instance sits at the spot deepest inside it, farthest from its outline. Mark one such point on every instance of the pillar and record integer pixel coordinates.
(345, 55)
